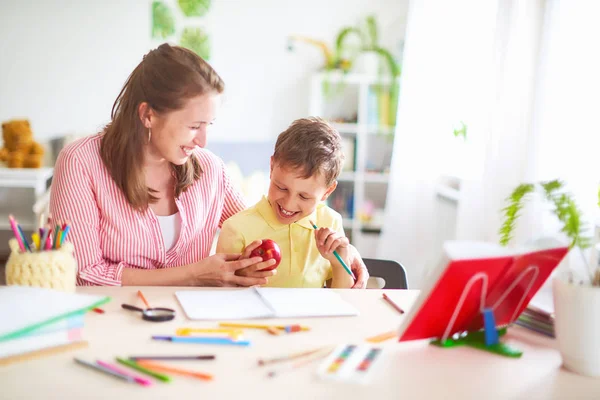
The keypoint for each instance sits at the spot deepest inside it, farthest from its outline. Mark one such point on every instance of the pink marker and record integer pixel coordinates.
(138, 379)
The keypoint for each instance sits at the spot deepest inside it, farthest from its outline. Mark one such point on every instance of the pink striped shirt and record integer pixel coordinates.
(109, 235)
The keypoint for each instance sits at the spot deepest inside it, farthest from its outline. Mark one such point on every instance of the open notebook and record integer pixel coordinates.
(262, 303)
(27, 309)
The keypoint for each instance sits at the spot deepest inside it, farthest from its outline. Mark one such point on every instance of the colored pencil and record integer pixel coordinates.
(13, 226)
(233, 333)
(64, 234)
(202, 340)
(23, 237)
(45, 235)
(391, 302)
(141, 296)
(289, 357)
(108, 371)
(139, 368)
(174, 358)
(138, 379)
(313, 357)
(164, 368)
(335, 253)
(257, 326)
(382, 337)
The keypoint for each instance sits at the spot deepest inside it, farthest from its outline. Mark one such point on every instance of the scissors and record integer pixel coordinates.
(154, 314)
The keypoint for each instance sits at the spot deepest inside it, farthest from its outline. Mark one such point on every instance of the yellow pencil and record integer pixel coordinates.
(257, 326)
(233, 333)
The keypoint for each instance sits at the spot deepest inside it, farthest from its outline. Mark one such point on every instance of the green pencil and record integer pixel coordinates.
(335, 253)
(137, 367)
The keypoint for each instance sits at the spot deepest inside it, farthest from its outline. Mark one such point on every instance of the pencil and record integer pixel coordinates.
(335, 253)
(233, 333)
(289, 357)
(177, 358)
(141, 296)
(139, 368)
(138, 379)
(13, 226)
(391, 302)
(107, 371)
(164, 368)
(382, 337)
(315, 356)
(257, 326)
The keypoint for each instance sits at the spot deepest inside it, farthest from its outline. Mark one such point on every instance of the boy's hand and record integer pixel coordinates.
(250, 248)
(328, 241)
(253, 271)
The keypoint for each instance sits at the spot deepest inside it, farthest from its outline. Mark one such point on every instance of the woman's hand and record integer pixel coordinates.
(230, 270)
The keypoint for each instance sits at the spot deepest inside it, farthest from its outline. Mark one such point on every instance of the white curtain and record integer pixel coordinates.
(523, 76)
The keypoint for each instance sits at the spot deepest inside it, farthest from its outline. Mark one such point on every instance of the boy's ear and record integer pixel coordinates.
(330, 190)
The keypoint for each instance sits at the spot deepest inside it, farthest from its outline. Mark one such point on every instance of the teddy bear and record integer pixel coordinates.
(20, 150)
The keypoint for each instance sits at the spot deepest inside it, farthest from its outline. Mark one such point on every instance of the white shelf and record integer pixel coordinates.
(346, 128)
(353, 78)
(369, 177)
(366, 188)
(24, 177)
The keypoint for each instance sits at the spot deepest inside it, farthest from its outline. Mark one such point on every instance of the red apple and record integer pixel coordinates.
(268, 250)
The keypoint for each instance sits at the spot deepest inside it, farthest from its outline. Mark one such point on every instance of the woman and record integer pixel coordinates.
(143, 197)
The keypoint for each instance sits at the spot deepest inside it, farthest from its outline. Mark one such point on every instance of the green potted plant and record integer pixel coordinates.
(576, 302)
(368, 57)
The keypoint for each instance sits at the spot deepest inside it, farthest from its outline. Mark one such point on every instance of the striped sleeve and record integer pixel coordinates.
(72, 199)
(234, 202)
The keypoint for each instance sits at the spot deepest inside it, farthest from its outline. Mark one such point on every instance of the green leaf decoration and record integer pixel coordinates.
(462, 131)
(565, 209)
(372, 31)
(511, 211)
(163, 22)
(196, 40)
(194, 8)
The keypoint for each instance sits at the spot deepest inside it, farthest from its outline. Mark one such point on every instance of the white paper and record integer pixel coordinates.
(262, 303)
(222, 304)
(22, 307)
(292, 303)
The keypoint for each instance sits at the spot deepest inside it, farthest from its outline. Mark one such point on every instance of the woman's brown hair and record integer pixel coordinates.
(165, 79)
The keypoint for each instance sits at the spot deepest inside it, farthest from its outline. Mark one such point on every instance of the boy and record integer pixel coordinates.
(304, 167)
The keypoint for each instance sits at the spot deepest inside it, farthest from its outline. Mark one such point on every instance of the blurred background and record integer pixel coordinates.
(444, 107)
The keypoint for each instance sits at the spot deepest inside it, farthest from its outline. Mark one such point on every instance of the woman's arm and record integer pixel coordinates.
(234, 202)
(72, 199)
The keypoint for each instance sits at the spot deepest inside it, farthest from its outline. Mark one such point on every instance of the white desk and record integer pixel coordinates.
(408, 370)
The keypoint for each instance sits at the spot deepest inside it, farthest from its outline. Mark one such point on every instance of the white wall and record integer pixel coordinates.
(62, 63)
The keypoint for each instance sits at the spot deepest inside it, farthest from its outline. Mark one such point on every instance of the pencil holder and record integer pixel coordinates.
(54, 269)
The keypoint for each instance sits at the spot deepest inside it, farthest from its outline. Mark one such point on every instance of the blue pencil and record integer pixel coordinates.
(202, 340)
(335, 253)
(23, 237)
(63, 237)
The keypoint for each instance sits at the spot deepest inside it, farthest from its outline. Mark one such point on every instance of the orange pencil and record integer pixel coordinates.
(164, 368)
(383, 337)
(396, 306)
(141, 296)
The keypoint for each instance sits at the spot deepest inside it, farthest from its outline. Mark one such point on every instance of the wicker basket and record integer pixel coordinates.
(55, 269)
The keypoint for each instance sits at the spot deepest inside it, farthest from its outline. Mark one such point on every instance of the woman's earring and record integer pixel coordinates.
(149, 135)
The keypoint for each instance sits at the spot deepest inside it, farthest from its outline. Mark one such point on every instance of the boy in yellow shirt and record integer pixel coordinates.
(304, 167)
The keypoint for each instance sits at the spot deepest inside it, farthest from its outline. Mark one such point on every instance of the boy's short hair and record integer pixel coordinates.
(313, 145)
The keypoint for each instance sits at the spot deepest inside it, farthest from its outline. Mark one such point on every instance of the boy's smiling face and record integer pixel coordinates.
(293, 197)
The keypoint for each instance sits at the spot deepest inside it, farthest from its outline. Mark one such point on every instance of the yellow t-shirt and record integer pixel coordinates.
(301, 263)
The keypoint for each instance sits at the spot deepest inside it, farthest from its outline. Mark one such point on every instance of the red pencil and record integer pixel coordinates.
(396, 306)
